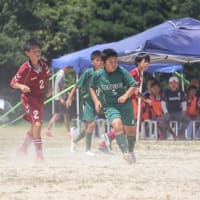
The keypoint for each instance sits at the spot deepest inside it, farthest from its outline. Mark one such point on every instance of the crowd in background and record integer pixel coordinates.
(172, 104)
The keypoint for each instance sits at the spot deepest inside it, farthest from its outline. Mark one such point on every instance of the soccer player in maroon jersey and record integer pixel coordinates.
(32, 78)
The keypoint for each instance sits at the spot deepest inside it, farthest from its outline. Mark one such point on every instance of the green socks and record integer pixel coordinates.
(131, 142)
(122, 142)
(79, 137)
(88, 141)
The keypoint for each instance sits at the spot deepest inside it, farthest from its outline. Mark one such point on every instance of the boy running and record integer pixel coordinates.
(89, 113)
(142, 61)
(32, 79)
(115, 87)
(60, 107)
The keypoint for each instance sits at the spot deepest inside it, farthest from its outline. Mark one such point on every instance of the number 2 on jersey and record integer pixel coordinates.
(41, 83)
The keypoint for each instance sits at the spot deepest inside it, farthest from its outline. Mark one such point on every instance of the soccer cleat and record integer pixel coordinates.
(89, 153)
(47, 132)
(72, 146)
(128, 158)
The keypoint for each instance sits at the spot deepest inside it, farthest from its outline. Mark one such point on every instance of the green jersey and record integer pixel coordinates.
(84, 83)
(110, 87)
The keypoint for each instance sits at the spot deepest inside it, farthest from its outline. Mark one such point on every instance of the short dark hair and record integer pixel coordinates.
(107, 53)
(142, 56)
(31, 43)
(95, 54)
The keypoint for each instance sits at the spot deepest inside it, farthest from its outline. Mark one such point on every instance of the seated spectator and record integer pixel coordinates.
(174, 109)
(195, 82)
(155, 98)
(148, 92)
(192, 109)
(192, 102)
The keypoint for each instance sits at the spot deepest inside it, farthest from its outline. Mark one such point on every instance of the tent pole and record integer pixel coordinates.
(139, 110)
(77, 107)
(182, 82)
(53, 103)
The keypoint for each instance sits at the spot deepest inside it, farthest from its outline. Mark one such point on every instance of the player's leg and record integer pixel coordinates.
(66, 118)
(131, 138)
(90, 126)
(120, 136)
(54, 118)
(88, 118)
(36, 127)
(129, 127)
(27, 141)
(113, 115)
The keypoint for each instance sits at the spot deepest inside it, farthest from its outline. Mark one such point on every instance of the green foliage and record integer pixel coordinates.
(68, 25)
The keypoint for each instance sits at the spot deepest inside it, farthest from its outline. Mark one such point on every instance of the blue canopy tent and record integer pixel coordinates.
(172, 42)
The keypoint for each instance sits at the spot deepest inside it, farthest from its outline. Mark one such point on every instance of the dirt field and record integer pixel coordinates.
(164, 171)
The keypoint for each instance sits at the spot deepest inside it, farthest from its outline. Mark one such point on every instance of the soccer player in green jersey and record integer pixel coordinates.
(89, 112)
(111, 88)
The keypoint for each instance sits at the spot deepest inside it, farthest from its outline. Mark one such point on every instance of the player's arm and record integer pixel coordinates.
(127, 94)
(19, 80)
(22, 87)
(16, 85)
(95, 99)
(70, 96)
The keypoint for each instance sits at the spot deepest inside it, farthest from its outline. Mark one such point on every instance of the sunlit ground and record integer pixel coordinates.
(164, 170)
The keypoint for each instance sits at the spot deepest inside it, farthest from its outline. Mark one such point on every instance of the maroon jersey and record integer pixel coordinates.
(36, 80)
(135, 73)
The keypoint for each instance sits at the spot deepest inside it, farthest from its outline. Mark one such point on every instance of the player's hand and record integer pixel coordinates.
(98, 106)
(68, 102)
(25, 89)
(121, 99)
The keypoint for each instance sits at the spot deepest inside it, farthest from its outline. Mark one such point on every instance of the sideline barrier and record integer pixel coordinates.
(46, 102)
(9, 111)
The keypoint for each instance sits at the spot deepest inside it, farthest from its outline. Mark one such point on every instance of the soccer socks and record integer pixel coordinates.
(79, 137)
(38, 148)
(27, 141)
(111, 136)
(122, 142)
(88, 141)
(131, 142)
